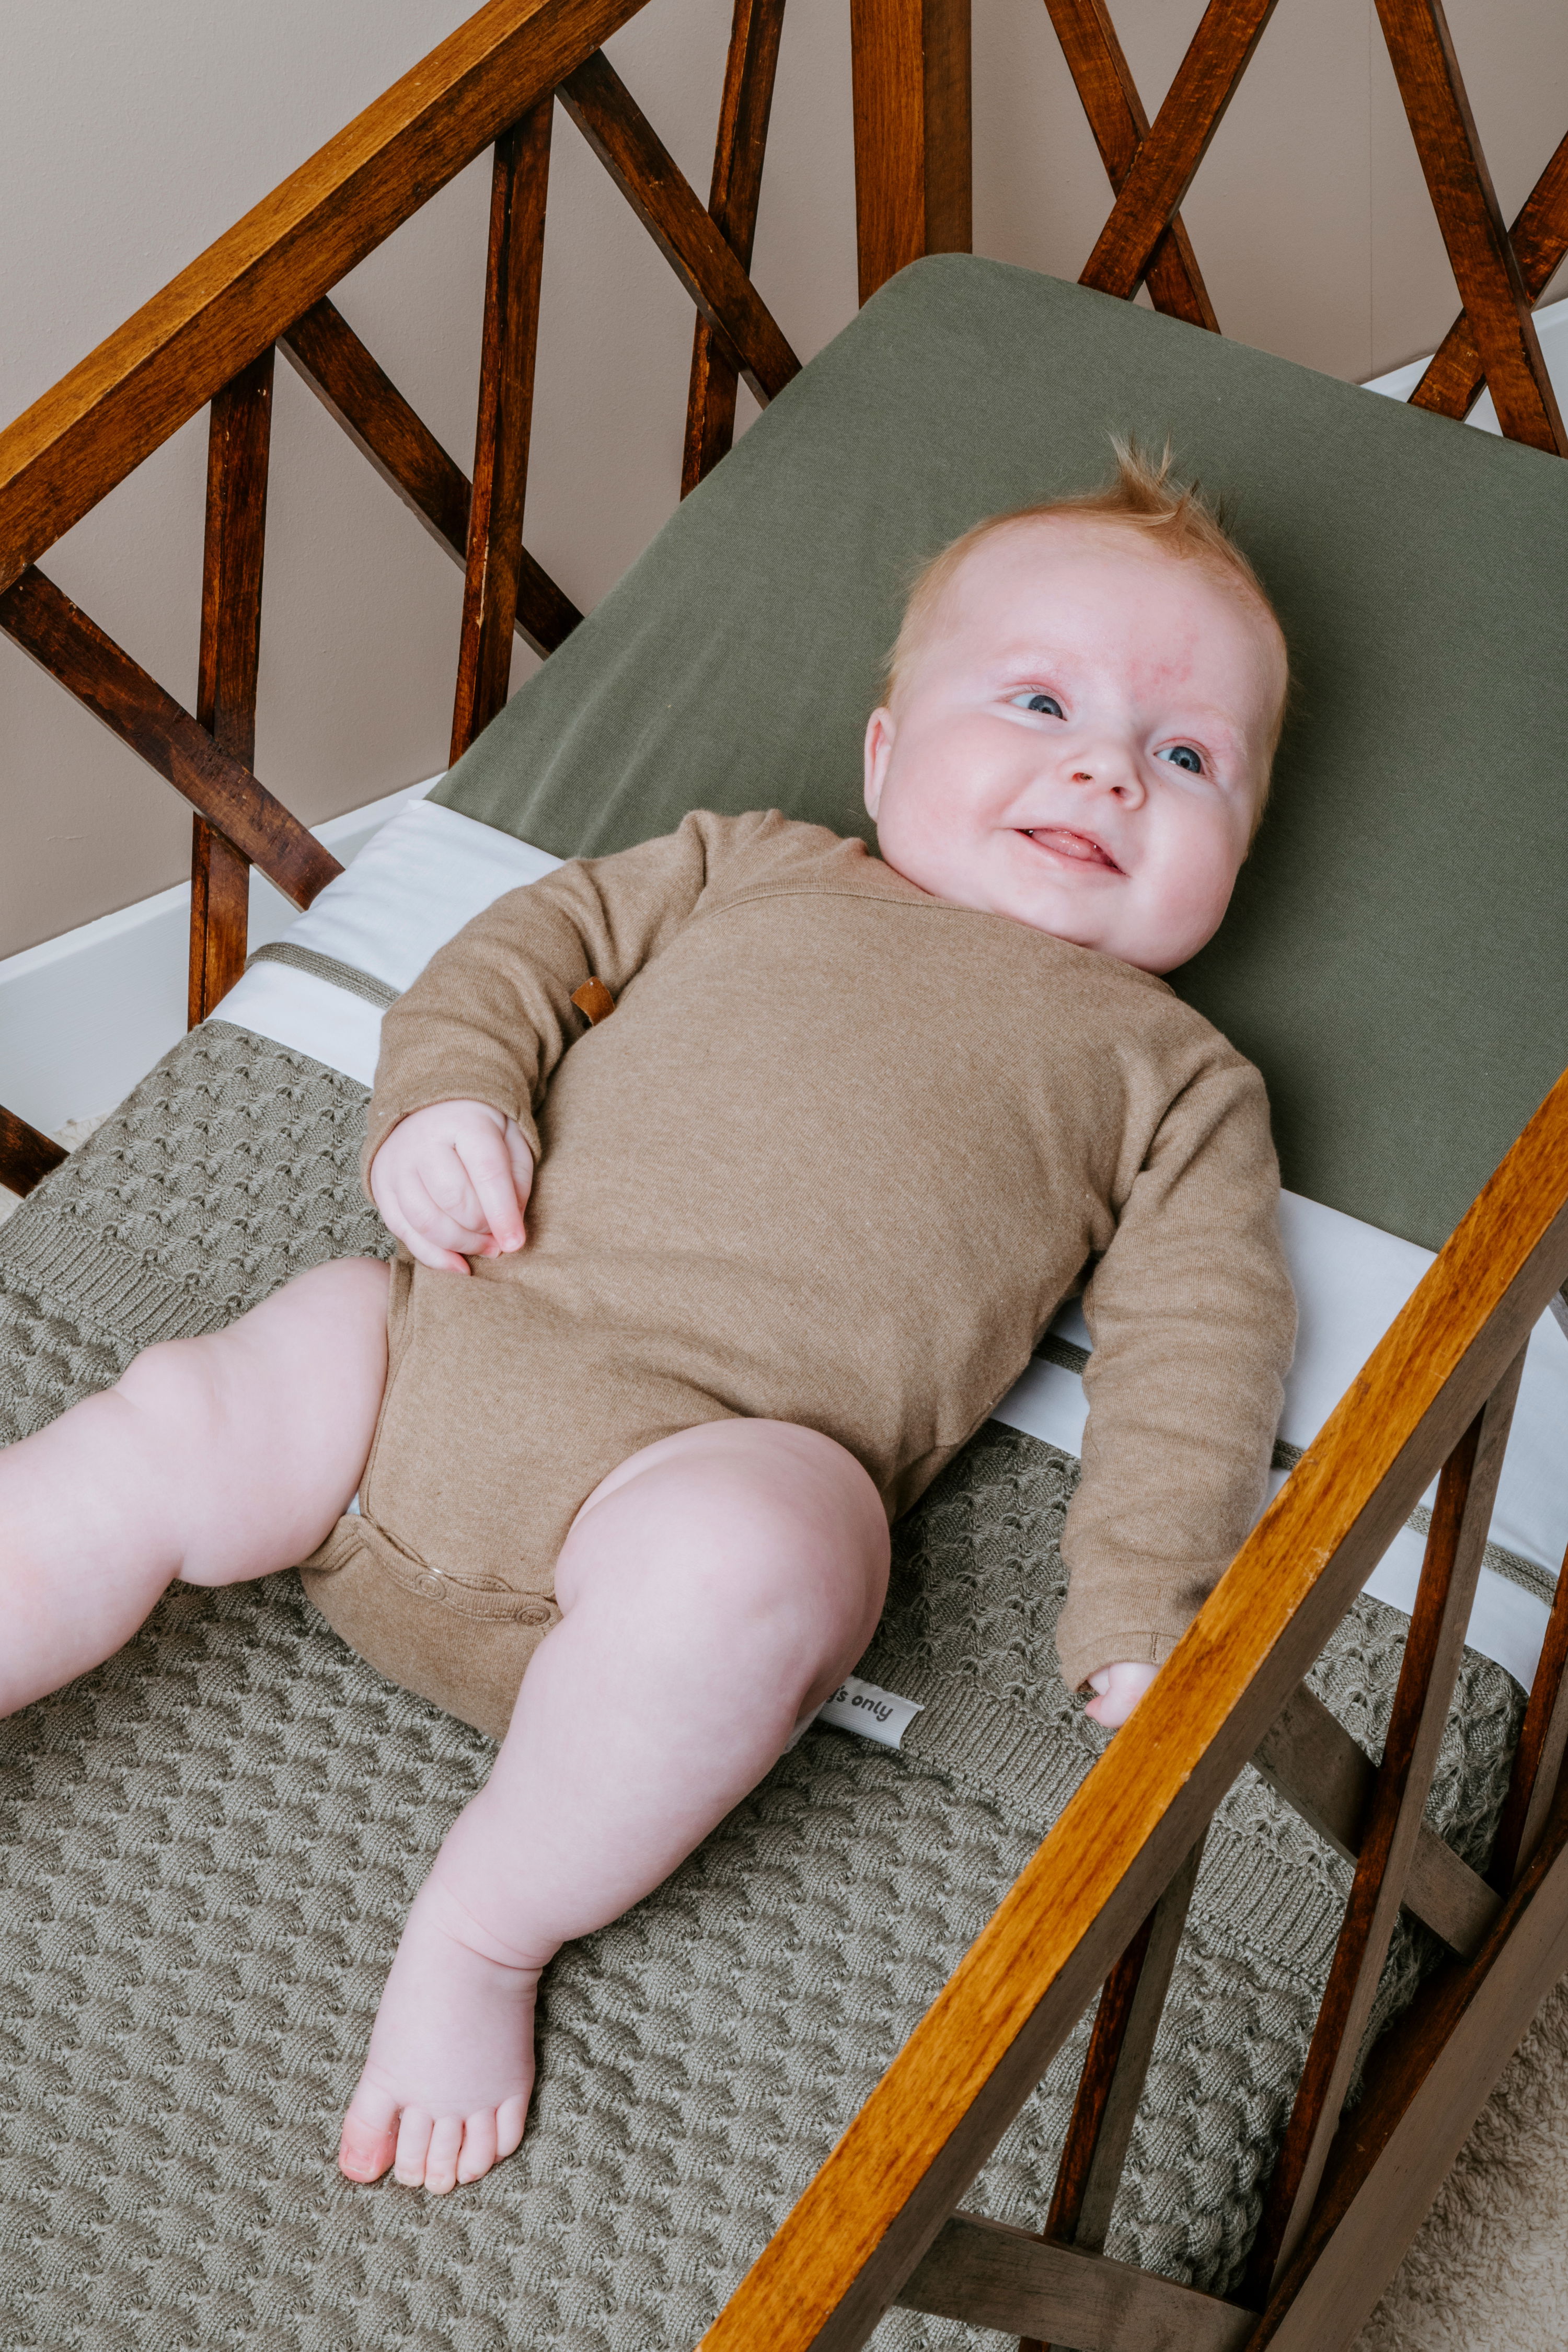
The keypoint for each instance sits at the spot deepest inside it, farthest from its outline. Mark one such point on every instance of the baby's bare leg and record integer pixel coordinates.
(215, 1459)
(714, 1589)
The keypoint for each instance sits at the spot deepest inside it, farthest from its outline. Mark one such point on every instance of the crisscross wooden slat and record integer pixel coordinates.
(519, 186)
(1421, 1702)
(658, 191)
(26, 1156)
(993, 2276)
(239, 439)
(125, 398)
(1454, 379)
(1426, 2084)
(328, 355)
(749, 65)
(1104, 82)
(1115, 2068)
(1166, 159)
(1497, 305)
(1309, 1758)
(1538, 1757)
(106, 681)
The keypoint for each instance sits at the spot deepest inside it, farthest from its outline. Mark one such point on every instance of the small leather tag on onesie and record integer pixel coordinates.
(594, 1000)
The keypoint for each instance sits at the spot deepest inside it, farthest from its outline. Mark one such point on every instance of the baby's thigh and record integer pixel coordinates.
(736, 1521)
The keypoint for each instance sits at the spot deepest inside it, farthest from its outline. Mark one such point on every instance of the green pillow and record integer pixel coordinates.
(1394, 959)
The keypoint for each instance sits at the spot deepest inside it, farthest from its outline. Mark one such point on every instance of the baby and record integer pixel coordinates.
(735, 1177)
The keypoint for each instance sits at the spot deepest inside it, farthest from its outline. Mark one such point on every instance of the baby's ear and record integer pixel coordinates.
(880, 732)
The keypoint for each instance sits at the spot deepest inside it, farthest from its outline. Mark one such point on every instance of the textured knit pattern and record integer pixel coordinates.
(207, 1849)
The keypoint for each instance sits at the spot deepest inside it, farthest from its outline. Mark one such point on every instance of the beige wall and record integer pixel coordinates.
(129, 138)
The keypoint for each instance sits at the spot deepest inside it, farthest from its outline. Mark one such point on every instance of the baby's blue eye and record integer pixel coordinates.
(1047, 704)
(1181, 755)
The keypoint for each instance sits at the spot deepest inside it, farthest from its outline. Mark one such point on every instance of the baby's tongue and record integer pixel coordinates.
(1069, 844)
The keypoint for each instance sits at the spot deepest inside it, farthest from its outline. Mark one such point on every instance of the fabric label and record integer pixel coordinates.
(879, 1715)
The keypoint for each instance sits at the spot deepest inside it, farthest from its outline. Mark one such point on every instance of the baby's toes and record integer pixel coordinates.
(510, 2116)
(441, 2156)
(369, 2140)
(479, 2145)
(414, 2131)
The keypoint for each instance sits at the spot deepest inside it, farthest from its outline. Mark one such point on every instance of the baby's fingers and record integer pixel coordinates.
(428, 1232)
(490, 1169)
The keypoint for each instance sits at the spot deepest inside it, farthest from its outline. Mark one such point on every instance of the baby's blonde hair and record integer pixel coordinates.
(1140, 495)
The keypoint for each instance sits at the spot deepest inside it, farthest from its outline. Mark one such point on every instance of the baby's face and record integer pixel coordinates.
(1082, 740)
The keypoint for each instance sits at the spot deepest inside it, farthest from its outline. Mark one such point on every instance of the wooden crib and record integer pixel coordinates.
(1100, 1909)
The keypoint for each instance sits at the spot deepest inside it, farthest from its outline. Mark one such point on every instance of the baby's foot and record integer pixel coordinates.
(447, 2080)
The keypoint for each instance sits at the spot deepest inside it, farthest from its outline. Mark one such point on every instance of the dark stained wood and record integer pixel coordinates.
(654, 185)
(329, 356)
(750, 67)
(238, 441)
(26, 1156)
(1309, 1758)
(860, 2227)
(1115, 2069)
(1454, 379)
(1162, 171)
(1421, 1702)
(1104, 82)
(1538, 1759)
(1485, 269)
(913, 136)
(994, 2276)
(106, 681)
(520, 183)
(1425, 2085)
(126, 398)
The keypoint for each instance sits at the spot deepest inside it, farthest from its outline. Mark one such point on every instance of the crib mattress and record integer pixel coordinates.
(209, 1846)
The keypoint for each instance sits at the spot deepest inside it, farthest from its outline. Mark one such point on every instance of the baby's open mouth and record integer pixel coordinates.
(1080, 846)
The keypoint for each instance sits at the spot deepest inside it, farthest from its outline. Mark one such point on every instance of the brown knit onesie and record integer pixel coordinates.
(836, 1158)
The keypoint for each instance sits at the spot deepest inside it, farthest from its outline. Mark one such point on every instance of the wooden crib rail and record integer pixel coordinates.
(878, 2223)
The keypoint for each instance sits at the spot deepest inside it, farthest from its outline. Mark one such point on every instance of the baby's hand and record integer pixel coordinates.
(451, 1182)
(1118, 1691)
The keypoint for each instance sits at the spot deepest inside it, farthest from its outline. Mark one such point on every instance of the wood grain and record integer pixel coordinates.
(328, 355)
(239, 434)
(1309, 1758)
(1421, 1701)
(126, 397)
(911, 87)
(994, 2276)
(749, 65)
(1538, 1759)
(1103, 80)
(654, 185)
(1168, 157)
(520, 182)
(26, 1156)
(878, 2202)
(106, 681)
(1454, 378)
(1497, 304)
(1426, 2084)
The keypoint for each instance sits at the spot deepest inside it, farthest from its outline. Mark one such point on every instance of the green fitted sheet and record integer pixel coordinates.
(1395, 957)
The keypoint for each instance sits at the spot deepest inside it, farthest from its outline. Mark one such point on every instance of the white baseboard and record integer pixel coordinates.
(83, 1016)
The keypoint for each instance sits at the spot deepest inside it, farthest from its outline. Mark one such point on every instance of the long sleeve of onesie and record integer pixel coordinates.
(1193, 1321)
(490, 1016)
